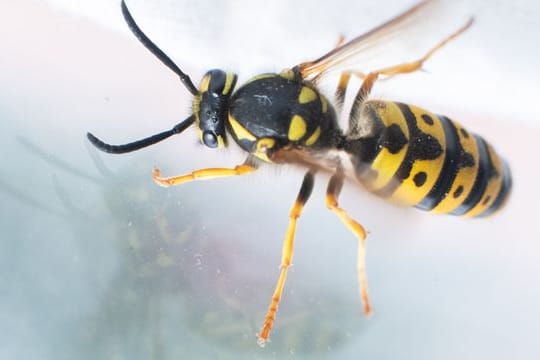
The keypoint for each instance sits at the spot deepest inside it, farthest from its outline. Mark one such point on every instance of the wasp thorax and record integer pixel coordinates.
(211, 106)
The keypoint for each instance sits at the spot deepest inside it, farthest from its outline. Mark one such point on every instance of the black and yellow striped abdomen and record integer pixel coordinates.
(420, 159)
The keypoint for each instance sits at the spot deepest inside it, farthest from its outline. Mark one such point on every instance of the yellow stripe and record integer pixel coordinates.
(314, 137)
(228, 82)
(306, 95)
(260, 77)
(262, 147)
(239, 131)
(386, 164)
(297, 128)
(287, 74)
(199, 133)
(465, 177)
(204, 84)
(221, 142)
(493, 187)
(408, 193)
(324, 104)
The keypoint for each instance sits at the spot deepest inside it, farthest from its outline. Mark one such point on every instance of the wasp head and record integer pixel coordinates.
(210, 106)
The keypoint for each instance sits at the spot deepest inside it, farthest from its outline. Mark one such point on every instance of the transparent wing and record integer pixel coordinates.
(397, 40)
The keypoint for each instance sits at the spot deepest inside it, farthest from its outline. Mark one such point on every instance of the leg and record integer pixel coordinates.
(204, 174)
(417, 65)
(360, 97)
(341, 89)
(286, 257)
(332, 193)
(404, 68)
(335, 56)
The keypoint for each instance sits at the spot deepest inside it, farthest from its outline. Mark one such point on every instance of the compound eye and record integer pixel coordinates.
(210, 139)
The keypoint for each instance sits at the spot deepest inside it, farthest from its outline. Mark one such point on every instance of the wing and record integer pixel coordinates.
(420, 27)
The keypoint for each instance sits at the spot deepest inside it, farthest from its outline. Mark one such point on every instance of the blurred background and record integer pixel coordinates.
(96, 261)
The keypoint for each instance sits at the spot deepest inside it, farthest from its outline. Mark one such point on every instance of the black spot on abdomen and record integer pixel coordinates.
(458, 191)
(422, 146)
(427, 119)
(420, 179)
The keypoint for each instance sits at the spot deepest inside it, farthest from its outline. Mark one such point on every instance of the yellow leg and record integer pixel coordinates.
(332, 193)
(417, 65)
(341, 89)
(404, 68)
(201, 174)
(407, 67)
(326, 62)
(361, 96)
(286, 256)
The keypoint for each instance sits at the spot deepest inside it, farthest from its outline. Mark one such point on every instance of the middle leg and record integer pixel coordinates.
(287, 253)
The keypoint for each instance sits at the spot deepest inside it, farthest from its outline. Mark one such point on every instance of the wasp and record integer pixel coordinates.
(398, 151)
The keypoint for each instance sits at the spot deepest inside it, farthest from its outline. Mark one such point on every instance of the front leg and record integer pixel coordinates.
(249, 166)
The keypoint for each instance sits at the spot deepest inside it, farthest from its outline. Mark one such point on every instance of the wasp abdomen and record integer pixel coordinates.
(417, 158)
